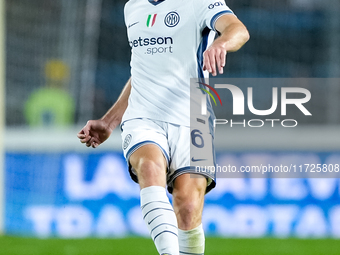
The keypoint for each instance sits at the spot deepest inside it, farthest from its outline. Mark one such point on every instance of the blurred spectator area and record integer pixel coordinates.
(295, 38)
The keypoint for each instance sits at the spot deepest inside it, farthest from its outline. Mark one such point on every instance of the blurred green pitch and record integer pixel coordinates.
(141, 246)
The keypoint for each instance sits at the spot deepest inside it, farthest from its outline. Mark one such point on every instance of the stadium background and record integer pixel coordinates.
(66, 62)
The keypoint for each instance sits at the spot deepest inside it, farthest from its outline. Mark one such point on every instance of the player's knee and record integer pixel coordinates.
(188, 211)
(189, 215)
(150, 169)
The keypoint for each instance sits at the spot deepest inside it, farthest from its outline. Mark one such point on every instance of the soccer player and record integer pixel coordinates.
(171, 41)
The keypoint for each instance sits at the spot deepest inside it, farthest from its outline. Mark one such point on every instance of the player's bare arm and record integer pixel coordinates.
(96, 132)
(233, 35)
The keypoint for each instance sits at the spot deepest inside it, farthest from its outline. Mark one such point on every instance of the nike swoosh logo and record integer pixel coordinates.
(195, 160)
(133, 24)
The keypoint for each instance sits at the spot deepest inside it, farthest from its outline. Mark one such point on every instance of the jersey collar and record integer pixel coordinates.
(155, 3)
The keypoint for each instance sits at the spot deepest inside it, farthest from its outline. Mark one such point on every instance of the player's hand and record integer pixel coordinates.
(94, 133)
(214, 57)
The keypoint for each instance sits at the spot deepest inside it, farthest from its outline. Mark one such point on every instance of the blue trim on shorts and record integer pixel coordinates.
(138, 145)
(191, 170)
(122, 124)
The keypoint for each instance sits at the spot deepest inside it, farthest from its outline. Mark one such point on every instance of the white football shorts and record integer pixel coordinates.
(182, 147)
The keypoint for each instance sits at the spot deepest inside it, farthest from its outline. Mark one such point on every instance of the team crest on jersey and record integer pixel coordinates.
(127, 141)
(171, 19)
(151, 20)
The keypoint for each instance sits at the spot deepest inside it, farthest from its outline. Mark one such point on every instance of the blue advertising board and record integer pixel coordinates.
(75, 195)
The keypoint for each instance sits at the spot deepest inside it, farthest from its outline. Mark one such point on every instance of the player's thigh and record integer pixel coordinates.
(146, 150)
(150, 164)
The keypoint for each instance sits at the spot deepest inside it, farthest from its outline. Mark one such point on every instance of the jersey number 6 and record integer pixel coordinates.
(197, 139)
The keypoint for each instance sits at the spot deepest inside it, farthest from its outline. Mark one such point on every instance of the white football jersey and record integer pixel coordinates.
(168, 39)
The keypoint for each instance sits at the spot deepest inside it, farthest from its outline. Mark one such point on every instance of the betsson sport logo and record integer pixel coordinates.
(161, 45)
(239, 102)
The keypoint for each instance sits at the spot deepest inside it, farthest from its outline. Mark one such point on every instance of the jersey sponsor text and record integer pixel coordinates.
(140, 42)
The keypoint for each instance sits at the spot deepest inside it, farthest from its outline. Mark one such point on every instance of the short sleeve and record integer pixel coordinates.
(208, 11)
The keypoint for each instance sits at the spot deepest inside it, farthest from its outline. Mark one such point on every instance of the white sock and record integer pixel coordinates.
(191, 241)
(160, 218)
